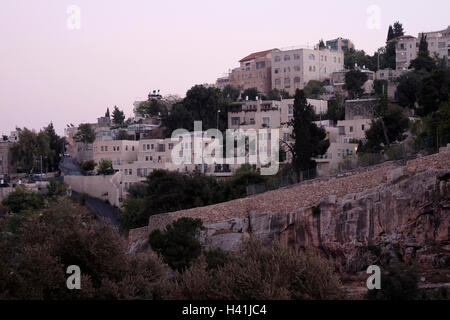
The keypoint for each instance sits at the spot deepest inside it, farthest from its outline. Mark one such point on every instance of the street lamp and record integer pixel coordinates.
(218, 111)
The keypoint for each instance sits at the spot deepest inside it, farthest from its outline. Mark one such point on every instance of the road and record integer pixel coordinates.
(101, 208)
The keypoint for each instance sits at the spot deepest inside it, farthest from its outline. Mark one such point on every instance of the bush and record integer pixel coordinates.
(178, 244)
(260, 273)
(35, 258)
(88, 166)
(55, 189)
(400, 282)
(105, 167)
(22, 199)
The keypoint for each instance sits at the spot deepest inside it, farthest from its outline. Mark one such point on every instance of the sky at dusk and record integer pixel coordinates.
(124, 49)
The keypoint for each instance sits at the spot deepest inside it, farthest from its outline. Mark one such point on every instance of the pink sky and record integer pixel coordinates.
(124, 49)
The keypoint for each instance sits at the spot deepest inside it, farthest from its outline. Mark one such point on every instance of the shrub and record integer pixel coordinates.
(400, 282)
(22, 199)
(55, 189)
(35, 258)
(105, 167)
(178, 244)
(88, 166)
(258, 272)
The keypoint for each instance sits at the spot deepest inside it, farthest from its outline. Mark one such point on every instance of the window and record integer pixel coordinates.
(296, 56)
(291, 109)
(312, 57)
(296, 68)
(235, 121)
(297, 80)
(351, 129)
(287, 69)
(277, 70)
(277, 82)
(362, 127)
(277, 58)
(161, 147)
(441, 45)
(334, 59)
(132, 148)
(266, 121)
(287, 57)
(260, 65)
(170, 146)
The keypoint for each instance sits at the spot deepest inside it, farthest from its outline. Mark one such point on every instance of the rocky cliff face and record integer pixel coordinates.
(405, 218)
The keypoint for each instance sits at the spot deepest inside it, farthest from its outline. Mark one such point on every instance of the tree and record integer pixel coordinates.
(22, 199)
(398, 29)
(152, 107)
(407, 88)
(56, 147)
(107, 115)
(231, 92)
(313, 89)
(390, 35)
(423, 62)
(434, 90)
(354, 57)
(55, 189)
(85, 133)
(28, 154)
(386, 129)
(251, 93)
(336, 111)
(118, 117)
(321, 44)
(105, 167)
(178, 244)
(36, 254)
(309, 140)
(354, 80)
(122, 135)
(88, 165)
(380, 86)
(277, 95)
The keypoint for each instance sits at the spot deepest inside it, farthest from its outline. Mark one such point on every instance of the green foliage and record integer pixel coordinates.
(122, 135)
(178, 244)
(251, 93)
(354, 80)
(407, 88)
(85, 133)
(32, 150)
(335, 112)
(216, 258)
(423, 62)
(395, 122)
(56, 144)
(433, 91)
(400, 282)
(313, 89)
(231, 92)
(55, 189)
(360, 58)
(152, 107)
(36, 255)
(105, 167)
(309, 140)
(380, 86)
(276, 94)
(257, 272)
(83, 197)
(88, 165)
(168, 191)
(22, 199)
(200, 103)
(118, 117)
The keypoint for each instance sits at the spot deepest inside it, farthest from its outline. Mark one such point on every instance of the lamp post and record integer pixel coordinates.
(218, 111)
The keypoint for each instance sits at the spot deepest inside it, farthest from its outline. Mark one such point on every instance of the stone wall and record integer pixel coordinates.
(101, 187)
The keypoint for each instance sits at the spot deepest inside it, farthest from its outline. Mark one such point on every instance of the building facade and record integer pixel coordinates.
(340, 44)
(293, 69)
(254, 72)
(5, 161)
(438, 43)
